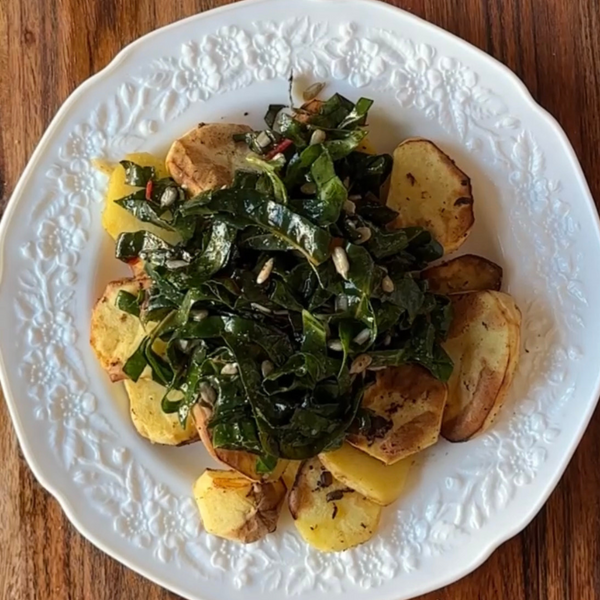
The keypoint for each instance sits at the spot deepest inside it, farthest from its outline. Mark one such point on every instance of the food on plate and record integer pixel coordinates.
(328, 514)
(235, 508)
(243, 462)
(428, 190)
(484, 343)
(370, 477)
(115, 218)
(149, 419)
(207, 157)
(297, 324)
(115, 334)
(402, 413)
(468, 273)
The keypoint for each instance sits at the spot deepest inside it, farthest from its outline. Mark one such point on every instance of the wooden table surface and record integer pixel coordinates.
(48, 47)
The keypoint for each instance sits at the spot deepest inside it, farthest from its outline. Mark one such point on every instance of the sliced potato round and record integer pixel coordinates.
(149, 419)
(328, 514)
(207, 157)
(243, 462)
(377, 481)
(117, 220)
(468, 273)
(428, 190)
(411, 402)
(483, 342)
(115, 335)
(234, 508)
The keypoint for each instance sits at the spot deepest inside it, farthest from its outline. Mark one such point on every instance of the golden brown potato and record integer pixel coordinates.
(241, 461)
(289, 475)
(410, 402)
(149, 419)
(234, 508)
(370, 477)
(115, 335)
(468, 273)
(484, 343)
(329, 515)
(116, 219)
(428, 190)
(207, 157)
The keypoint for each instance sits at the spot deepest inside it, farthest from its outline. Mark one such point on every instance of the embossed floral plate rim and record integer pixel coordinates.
(544, 487)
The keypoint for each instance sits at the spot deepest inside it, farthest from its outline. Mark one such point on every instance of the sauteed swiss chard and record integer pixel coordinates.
(287, 290)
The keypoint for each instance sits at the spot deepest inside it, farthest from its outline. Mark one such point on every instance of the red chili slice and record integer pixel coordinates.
(281, 147)
(149, 187)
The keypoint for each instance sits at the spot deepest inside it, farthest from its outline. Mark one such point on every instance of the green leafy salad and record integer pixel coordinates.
(288, 289)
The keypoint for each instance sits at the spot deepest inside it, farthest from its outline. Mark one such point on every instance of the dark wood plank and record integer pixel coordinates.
(48, 47)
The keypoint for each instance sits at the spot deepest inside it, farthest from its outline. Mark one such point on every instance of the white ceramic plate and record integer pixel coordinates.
(534, 216)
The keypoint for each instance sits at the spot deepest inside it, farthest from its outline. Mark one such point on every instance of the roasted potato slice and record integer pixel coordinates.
(468, 273)
(150, 420)
(115, 335)
(241, 461)
(234, 508)
(207, 157)
(328, 514)
(370, 477)
(484, 343)
(410, 403)
(428, 190)
(289, 475)
(117, 220)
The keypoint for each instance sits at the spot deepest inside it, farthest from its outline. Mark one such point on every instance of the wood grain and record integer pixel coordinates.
(48, 47)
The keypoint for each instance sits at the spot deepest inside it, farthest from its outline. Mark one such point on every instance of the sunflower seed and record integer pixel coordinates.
(355, 197)
(347, 183)
(263, 140)
(199, 315)
(309, 188)
(349, 207)
(266, 368)
(168, 197)
(261, 308)
(341, 303)
(360, 364)
(340, 261)
(318, 137)
(281, 313)
(312, 91)
(365, 234)
(387, 340)
(183, 345)
(176, 264)
(362, 337)
(335, 345)
(387, 285)
(377, 368)
(230, 369)
(207, 394)
(265, 272)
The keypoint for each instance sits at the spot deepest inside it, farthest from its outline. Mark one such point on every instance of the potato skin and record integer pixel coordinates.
(329, 515)
(468, 273)
(234, 508)
(207, 157)
(412, 401)
(428, 190)
(484, 343)
(149, 419)
(243, 462)
(381, 483)
(114, 334)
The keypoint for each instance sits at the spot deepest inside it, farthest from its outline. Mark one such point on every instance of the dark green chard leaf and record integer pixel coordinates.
(300, 164)
(217, 251)
(272, 112)
(332, 112)
(264, 242)
(271, 169)
(129, 303)
(331, 193)
(368, 172)
(291, 129)
(358, 115)
(342, 147)
(284, 297)
(136, 175)
(371, 209)
(144, 210)
(136, 363)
